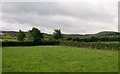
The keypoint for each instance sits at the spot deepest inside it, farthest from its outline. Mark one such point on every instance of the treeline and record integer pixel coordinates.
(92, 45)
(35, 35)
(94, 39)
(49, 42)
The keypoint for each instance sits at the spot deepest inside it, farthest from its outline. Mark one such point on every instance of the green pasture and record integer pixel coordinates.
(0, 59)
(58, 59)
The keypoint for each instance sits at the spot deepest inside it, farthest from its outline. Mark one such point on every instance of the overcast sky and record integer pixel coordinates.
(86, 16)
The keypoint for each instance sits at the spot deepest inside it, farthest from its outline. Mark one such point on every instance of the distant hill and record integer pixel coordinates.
(10, 33)
(100, 34)
(108, 33)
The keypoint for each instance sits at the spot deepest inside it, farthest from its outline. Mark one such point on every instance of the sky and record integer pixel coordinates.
(83, 17)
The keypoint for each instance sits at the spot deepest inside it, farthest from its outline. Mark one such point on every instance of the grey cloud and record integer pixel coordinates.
(81, 10)
(81, 17)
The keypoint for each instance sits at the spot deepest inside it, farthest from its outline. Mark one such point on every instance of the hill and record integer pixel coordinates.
(100, 34)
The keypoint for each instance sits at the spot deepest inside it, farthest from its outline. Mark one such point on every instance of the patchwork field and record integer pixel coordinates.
(58, 59)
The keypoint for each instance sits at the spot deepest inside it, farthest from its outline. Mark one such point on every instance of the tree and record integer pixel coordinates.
(20, 36)
(76, 39)
(94, 39)
(35, 35)
(69, 38)
(57, 34)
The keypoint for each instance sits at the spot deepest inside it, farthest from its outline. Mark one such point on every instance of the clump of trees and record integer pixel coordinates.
(57, 34)
(21, 36)
(35, 35)
(69, 38)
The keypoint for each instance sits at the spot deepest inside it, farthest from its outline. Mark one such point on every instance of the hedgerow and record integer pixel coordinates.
(49, 42)
(93, 45)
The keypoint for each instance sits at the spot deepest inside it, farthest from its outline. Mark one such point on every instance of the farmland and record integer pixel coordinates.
(60, 53)
(58, 59)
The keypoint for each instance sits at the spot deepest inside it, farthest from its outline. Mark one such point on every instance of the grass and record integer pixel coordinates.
(58, 59)
(0, 59)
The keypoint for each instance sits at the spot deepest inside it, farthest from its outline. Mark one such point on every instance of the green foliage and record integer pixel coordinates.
(20, 36)
(76, 39)
(43, 42)
(57, 34)
(95, 39)
(69, 38)
(93, 45)
(35, 35)
(102, 36)
(50, 42)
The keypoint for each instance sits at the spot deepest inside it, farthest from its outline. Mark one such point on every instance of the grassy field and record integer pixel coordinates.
(0, 60)
(58, 59)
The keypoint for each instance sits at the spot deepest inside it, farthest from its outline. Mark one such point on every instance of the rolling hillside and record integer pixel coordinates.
(100, 34)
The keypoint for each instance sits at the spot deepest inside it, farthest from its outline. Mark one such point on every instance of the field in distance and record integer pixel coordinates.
(58, 59)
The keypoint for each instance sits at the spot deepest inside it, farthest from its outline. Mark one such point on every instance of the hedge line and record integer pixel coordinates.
(30, 43)
(93, 45)
(94, 39)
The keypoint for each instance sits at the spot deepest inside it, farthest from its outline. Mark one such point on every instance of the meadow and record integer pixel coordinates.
(58, 59)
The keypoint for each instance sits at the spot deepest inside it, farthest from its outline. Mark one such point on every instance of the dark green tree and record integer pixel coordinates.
(94, 39)
(57, 34)
(35, 35)
(20, 36)
(69, 38)
(76, 39)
